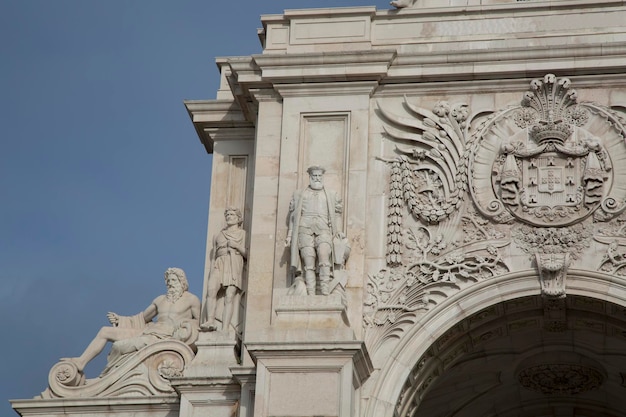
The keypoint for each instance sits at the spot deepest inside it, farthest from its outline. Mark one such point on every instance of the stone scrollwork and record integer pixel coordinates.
(435, 268)
(544, 175)
(145, 373)
(614, 236)
(144, 353)
(553, 273)
(429, 176)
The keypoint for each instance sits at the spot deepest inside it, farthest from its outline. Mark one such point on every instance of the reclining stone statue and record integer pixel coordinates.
(177, 314)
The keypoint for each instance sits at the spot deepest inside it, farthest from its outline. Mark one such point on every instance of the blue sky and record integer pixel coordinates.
(104, 183)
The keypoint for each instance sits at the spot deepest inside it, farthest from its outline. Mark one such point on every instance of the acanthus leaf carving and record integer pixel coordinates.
(435, 269)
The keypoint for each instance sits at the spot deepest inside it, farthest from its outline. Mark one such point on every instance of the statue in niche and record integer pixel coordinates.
(177, 313)
(315, 238)
(226, 275)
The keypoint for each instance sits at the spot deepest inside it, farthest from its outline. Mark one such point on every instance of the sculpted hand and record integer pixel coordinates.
(114, 319)
(288, 241)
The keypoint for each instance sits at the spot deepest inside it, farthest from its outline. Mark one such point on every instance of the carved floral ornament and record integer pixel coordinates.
(539, 175)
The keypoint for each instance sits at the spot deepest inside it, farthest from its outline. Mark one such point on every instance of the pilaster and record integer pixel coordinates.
(264, 202)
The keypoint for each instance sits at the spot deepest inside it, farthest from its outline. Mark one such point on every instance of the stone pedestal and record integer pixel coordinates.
(306, 318)
(216, 354)
(207, 386)
(309, 378)
(308, 363)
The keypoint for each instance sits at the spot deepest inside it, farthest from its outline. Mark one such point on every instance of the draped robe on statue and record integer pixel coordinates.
(228, 265)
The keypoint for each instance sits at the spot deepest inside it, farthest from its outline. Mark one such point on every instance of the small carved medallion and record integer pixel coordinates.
(560, 379)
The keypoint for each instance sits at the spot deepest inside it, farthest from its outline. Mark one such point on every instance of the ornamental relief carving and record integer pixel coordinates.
(543, 179)
(546, 163)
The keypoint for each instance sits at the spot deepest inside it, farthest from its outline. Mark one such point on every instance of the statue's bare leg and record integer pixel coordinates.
(211, 301)
(324, 252)
(229, 305)
(106, 334)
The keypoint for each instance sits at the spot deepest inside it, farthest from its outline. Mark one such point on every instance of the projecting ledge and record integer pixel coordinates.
(152, 406)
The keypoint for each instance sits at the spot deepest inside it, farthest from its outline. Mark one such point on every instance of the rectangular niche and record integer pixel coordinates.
(325, 141)
(237, 175)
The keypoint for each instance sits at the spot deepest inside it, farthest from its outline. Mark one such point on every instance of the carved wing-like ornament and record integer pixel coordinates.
(429, 175)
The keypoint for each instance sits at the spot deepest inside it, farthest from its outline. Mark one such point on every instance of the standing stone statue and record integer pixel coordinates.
(315, 236)
(226, 274)
(177, 314)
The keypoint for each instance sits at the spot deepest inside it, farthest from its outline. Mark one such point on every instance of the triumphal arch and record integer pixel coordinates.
(418, 211)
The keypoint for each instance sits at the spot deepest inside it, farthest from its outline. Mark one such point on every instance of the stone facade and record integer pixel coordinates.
(478, 151)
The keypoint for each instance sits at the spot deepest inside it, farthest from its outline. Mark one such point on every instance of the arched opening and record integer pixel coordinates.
(500, 349)
(527, 357)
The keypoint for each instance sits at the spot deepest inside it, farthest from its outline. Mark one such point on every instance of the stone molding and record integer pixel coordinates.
(328, 373)
(153, 406)
(218, 120)
(327, 89)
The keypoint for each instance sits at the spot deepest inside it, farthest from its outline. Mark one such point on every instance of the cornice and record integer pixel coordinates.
(357, 350)
(204, 384)
(218, 120)
(329, 12)
(323, 12)
(325, 67)
(81, 406)
(519, 7)
(506, 64)
(244, 375)
(511, 54)
(327, 89)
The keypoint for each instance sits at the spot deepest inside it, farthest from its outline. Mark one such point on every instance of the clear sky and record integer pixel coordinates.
(103, 181)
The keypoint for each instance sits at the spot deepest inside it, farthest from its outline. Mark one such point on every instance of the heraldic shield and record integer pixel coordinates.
(549, 161)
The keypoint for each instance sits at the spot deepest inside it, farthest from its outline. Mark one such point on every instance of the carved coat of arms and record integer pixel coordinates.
(548, 161)
(549, 177)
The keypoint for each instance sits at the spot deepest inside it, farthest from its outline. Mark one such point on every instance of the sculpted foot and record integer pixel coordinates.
(297, 288)
(209, 326)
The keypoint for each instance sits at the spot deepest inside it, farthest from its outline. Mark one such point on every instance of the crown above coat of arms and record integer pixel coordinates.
(550, 131)
(550, 98)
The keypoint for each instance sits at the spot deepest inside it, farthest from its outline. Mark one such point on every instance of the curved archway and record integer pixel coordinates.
(492, 342)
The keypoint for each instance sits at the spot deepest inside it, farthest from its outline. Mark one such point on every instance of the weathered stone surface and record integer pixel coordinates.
(478, 148)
